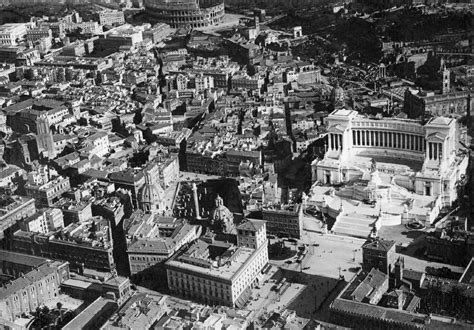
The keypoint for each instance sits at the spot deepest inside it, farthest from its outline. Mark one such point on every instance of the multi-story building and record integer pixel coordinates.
(377, 298)
(14, 209)
(134, 78)
(133, 316)
(12, 33)
(130, 180)
(235, 158)
(23, 116)
(57, 28)
(423, 158)
(36, 287)
(124, 35)
(225, 278)
(285, 220)
(38, 34)
(73, 211)
(88, 244)
(46, 194)
(205, 161)
(219, 162)
(379, 254)
(9, 54)
(14, 264)
(86, 27)
(202, 82)
(76, 49)
(424, 105)
(109, 208)
(187, 13)
(111, 17)
(157, 33)
(221, 77)
(99, 142)
(150, 250)
(44, 221)
(90, 63)
(243, 81)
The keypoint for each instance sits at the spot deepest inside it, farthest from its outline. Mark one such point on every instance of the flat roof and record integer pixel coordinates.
(226, 272)
(440, 121)
(343, 112)
(77, 283)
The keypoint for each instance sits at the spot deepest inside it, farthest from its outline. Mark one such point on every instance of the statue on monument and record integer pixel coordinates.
(373, 166)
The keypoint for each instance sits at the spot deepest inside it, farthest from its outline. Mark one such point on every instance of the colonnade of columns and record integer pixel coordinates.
(435, 150)
(335, 141)
(366, 138)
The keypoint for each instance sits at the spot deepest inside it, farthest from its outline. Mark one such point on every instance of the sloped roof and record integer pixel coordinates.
(251, 225)
(380, 245)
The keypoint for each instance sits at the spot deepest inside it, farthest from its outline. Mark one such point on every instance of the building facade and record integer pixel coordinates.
(422, 158)
(284, 221)
(379, 254)
(48, 193)
(33, 289)
(44, 221)
(72, 244)
(111, 17)
(147, 252)
(14, 209)
(227, 279)
(12, 33)
(38, 34)
(424, 105)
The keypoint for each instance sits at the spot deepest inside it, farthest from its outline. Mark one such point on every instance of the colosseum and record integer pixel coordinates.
(186, 13)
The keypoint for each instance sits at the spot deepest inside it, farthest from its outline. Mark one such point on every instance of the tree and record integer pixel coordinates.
(93, 231)
(138, 117)
(251, 70)
(59, 306)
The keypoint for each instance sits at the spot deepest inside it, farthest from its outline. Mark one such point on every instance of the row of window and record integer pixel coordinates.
(147, 258)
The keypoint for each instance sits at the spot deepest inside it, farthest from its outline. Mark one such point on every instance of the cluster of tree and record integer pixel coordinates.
(361, 39)
(278, 250)
(413, 25)
(273, 6)
(51, 319)
(22, 13)
(310, 21)
(455, 302)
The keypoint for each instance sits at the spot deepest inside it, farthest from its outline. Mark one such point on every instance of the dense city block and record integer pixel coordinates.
(236, 164)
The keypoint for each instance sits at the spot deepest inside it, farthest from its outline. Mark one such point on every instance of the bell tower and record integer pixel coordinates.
(446, 80)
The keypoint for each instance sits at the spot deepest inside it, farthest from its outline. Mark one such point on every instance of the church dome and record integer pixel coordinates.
(222, 216)
(220, 212)
(151, 195)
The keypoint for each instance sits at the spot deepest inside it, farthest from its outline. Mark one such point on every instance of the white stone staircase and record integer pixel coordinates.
(356, 225)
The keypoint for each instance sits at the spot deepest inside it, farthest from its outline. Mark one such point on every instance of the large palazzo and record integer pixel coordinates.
(187, 13)
(424, 159)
